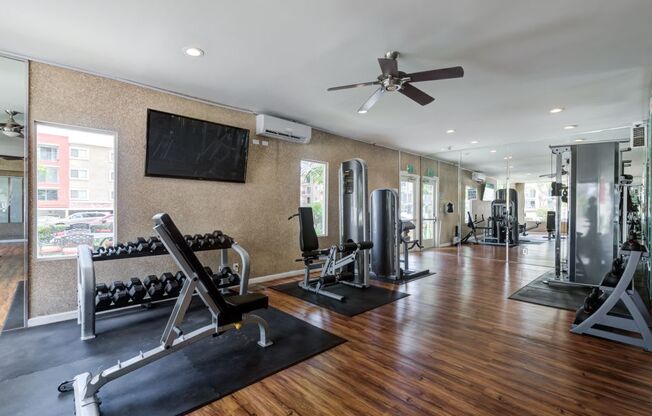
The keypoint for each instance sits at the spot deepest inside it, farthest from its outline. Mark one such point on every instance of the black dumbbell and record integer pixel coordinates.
(119, 293)
(136, 289)
(101, 288)
(154, 287)
(156, 247)
(170, 284)
(102, 301)
(181, 278)
(121, 249)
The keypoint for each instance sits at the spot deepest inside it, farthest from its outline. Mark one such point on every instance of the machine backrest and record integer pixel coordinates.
(550, 221)
(307, 235)
(165, 225)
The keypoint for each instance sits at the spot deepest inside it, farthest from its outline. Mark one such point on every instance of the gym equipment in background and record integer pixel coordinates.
(597, 316)
(354, 215)
(473, 226)
(228, 313)
(592, 172)
(389, 234)
(503, 223)
(330, 261)
(94, 298)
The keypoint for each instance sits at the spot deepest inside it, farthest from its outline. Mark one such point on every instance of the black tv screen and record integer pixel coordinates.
(184, 147)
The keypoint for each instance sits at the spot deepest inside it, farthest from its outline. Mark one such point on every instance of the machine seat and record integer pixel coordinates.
(248, 303)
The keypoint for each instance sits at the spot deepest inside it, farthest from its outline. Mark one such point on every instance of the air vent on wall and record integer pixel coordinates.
(278, 128)
(638, 135)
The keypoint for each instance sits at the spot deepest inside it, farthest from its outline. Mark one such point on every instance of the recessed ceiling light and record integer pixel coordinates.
(193, 51)
(580, 140)
(362, 111)
(492, 151)
(450, 131)
(474, 142)
(570, 127)
(556, 110)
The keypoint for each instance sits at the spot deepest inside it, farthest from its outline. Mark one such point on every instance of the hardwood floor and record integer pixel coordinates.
(11, 272)
(456, 346)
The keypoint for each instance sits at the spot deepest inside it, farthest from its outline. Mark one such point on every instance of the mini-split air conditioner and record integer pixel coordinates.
(278, 128)
(478, 177)
(638, 136)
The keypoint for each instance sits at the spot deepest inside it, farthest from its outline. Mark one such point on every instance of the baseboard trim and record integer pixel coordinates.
(66, 316)
(50, 319)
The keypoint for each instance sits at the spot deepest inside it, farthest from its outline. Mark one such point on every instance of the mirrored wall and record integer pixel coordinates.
(13, 185)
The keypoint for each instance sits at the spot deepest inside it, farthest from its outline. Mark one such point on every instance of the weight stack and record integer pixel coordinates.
(385, 234)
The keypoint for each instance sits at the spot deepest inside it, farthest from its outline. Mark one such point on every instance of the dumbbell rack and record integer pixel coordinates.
(602, 323)
(86, 259)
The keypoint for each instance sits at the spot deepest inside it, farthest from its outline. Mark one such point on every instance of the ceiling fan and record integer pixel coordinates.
(392, 80)
(10, 127)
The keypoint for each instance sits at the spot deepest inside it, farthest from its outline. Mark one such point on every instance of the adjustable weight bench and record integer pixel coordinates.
(227, 313)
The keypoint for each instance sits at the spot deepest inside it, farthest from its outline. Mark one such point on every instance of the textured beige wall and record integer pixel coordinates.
(448, 185)
(254, 213)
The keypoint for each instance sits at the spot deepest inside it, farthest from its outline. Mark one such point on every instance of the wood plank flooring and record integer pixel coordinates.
(456, 346)
(11, 272)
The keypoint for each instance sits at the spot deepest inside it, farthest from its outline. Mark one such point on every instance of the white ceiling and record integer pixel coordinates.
(521, 58)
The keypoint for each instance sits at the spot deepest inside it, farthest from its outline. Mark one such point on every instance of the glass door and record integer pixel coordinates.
(13, 182)
(429, 204)
(410, 201)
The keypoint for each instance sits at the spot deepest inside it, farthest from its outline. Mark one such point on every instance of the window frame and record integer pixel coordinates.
(78, 190)
(88, 174)
(48, 145)
(56, 168)
(48, 189)
(326, 193)
(88, 153)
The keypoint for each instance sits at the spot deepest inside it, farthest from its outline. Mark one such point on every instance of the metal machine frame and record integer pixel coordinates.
(329, 265)
(86, 385)
(86, 284)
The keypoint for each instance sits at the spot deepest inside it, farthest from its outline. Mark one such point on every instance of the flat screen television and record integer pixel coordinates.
(184, 147)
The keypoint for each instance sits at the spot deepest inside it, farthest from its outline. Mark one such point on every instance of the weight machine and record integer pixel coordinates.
(389, 234)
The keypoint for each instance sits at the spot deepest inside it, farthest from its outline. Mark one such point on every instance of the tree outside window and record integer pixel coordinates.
(314, 183)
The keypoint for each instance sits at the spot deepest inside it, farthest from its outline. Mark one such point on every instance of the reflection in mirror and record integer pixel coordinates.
(13, 84)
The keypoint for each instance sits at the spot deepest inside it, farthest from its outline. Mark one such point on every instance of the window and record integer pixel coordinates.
(409, 201)
(78, 173)
(78, 153)
(112, 176)
(49, 174)
(73, 212)
(79, 194)
(48, 153)
(314, 193)
(48, 194)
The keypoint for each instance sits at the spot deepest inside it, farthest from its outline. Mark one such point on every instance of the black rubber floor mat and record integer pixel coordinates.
(34, 361)
(356, 301)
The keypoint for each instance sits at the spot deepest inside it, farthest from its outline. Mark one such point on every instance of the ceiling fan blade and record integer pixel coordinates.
(362, 84)
(435, 74)
(371, 101)
(416, 94)
(388, 66)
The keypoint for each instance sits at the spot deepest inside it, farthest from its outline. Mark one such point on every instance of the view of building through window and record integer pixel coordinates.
(314, 183)
(538, 201)
(75, 189)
